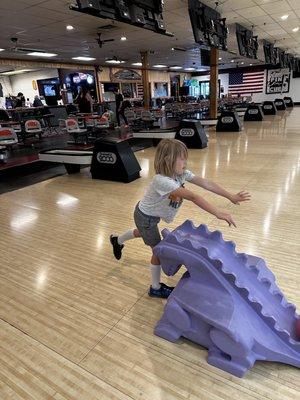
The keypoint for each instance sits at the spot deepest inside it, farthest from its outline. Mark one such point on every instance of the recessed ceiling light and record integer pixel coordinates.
(251, 65)
(242, 63)
(220, 58)
(2, 49)
(232, 61)
(114, 61)
(41, 54)
(284, 17)
(69, 27)
(160, 66)
(172, 49)
(190, 69)
(176, 67)
(84, 58)
(296, 29)
(123, 38)
(137, 64)
(201, 70)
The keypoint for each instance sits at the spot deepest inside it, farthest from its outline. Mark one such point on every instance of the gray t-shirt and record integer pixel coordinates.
(157, 201)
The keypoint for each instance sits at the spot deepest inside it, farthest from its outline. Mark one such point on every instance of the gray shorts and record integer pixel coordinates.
(147, 226)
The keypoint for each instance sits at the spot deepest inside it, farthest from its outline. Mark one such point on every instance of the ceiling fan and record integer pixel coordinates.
(101, 42)
(16, 43)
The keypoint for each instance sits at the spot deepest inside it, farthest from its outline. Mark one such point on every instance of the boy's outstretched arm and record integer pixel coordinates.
(202, 203)
(215, 188)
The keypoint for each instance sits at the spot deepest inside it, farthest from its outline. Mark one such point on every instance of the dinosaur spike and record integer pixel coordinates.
(187, 226)
(202, 230)
(217, 236)
(291, 309)
(203, 252)
(271, 321)
(290, 305)
(217, 264)
(278, 296)
(172, 238)
(242, 258)
(244, 292)
(283, 334)
(231, 246)
(165, 233)
(254, 269)
(256, 305)
(266, 282)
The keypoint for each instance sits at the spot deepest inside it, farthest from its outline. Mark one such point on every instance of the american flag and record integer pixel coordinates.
(246, 82)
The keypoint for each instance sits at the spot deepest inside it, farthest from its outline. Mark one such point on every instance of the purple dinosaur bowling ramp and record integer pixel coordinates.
(226, 301)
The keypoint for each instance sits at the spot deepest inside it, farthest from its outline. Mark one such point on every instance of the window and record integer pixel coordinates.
(160, 89)
(205, 90)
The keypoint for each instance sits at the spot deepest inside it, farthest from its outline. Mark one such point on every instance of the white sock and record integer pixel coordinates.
(155, 276)
(126, 236)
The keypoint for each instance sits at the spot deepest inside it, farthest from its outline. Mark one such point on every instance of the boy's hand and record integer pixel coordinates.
(239, 197)
(226, 217)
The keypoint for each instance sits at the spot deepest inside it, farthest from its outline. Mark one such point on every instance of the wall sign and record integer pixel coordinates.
(278, 81)
(127, 74)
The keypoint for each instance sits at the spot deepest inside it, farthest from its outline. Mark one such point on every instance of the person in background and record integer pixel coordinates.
(28, 103)
(84, 101)
(37, 102)
(20, 100)
(119, 106)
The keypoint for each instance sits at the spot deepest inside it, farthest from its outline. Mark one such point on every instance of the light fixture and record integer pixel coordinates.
(284, 17)
(176, 67)
(201, 70)
(232, 61)
(41, 54)
(114, 61)
(2, 49)
(69, 27)
(190, 69)
(17, 72)
(172, 49)
(296, 29)
(84, 58)
(160, 66)
(242, 63)
(250, 65)
(123, 38)
(220, 58)
(137, 64)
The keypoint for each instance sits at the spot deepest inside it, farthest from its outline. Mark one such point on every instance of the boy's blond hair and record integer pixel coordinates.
(166, 155)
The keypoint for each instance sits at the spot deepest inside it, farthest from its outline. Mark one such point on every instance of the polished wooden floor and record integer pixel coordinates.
(77, 324)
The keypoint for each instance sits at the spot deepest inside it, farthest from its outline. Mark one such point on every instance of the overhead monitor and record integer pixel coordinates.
(270, 53)
(49, 90)
(146, 14)
(247, 43)
(208, 27)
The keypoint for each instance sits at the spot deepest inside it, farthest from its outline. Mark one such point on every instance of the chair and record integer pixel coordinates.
(89, 123)
(130, 115)
(33, 128)
(7, 139)
(71, 109)
(4, 115)
(62, 124)
(74, 130)
(102, 122)
(147, 119)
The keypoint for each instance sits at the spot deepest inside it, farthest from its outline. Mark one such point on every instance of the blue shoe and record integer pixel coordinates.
(163, 292)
